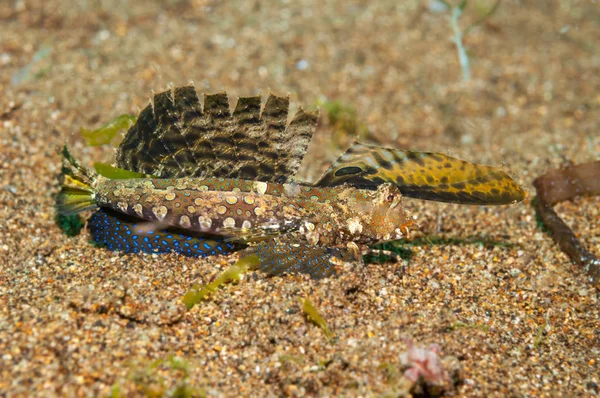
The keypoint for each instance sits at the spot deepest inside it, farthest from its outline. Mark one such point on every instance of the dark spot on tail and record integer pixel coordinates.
(382, 162)
(350, 170)
(416, 157)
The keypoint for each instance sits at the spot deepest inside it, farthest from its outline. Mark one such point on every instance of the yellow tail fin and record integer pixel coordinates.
(77, 192)
(423, 175)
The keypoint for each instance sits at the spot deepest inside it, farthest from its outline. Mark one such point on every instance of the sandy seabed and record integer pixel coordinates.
(510, 313)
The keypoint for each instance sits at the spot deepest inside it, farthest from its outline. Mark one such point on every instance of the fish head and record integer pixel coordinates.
(389, 220)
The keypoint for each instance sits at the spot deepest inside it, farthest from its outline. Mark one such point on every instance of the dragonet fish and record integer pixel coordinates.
(202, 180)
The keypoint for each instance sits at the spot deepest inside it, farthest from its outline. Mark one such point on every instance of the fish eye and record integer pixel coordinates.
(391, 198)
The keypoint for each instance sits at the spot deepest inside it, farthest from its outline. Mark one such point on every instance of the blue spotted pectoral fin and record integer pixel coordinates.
(285, 256)
(116, 231)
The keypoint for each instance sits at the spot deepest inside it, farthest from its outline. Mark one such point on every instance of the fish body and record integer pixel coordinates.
(200, 180)
(245, 210)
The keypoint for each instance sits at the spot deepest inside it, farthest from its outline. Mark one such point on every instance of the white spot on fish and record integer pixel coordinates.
(249, 200)
(312, 238)
(191, 209)
(139, 210)
(229, 222)
(170, 196)
(205, 223)
(260, 186)
(354, 226)
(231, 200)
(160, 212)
(221, 209)
(291, 190)
(246, 224)
(122, 206)
(185, 222)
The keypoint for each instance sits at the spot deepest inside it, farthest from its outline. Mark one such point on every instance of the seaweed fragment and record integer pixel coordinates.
(116, 173)
(70, 225)
(105, 134)
(197, 293)
(313, 316)
(564, 184)
(402, 248)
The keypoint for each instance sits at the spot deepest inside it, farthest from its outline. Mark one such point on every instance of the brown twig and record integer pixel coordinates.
(564, 184)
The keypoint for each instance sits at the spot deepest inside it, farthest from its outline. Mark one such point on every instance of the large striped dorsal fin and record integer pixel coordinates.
(176, 137)
(423, 175)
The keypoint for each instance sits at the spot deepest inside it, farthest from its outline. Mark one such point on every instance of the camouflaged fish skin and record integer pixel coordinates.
(253, 210)
(285, 254)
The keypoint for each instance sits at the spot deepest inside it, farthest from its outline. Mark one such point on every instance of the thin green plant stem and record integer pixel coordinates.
(463, 58)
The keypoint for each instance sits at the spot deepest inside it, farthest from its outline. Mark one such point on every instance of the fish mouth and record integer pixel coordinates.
(402, 232)
(397, 234)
